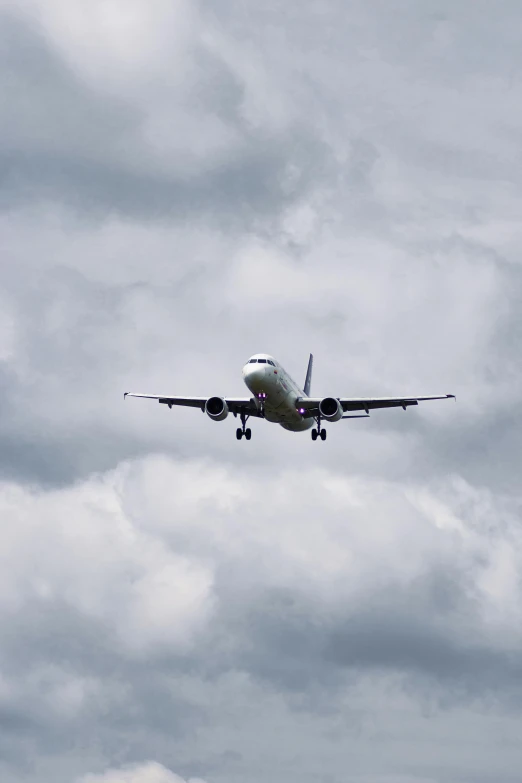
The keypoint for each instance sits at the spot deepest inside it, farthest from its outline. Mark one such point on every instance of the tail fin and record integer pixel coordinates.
(308, 381)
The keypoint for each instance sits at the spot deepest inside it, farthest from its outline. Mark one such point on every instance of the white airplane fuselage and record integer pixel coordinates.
(263, 375)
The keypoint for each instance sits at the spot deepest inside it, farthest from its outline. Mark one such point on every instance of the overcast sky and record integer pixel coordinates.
(184, 184)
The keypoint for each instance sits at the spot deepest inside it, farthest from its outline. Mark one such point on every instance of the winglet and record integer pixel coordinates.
(308, 381)
(125, 394)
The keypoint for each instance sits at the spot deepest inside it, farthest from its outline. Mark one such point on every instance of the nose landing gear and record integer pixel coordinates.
(261, 398)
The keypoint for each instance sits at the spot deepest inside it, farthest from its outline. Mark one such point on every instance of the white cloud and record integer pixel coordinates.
(139, 773)
(119, 43)
(76, 546)
(151, 549)
(258, 580)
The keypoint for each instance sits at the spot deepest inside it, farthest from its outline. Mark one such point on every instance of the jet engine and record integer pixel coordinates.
(216, 408)
(330, 409)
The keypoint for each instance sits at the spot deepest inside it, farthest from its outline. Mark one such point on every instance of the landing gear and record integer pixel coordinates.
(319, 433)
(261, 398)
(241, 430)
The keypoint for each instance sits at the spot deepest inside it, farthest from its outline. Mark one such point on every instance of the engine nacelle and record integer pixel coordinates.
(330, 409)
(216, 408)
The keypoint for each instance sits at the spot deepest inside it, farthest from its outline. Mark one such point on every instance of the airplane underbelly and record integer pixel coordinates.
(286, 414)
(297, 426)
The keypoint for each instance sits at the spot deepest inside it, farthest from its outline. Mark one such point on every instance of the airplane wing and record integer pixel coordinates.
(311, 404)
(235, 404)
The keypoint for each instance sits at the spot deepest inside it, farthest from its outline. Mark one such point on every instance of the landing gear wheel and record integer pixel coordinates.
(248, 433)
(239, 433)
(323, 434)
(314, 434)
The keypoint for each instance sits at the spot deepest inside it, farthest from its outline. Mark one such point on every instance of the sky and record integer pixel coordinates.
(185, 183)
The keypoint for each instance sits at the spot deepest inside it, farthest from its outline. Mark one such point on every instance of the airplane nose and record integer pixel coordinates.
(254, 375)
(254, 369)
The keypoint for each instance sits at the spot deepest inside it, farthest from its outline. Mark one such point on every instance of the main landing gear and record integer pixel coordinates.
(319, 433)
(241, 430)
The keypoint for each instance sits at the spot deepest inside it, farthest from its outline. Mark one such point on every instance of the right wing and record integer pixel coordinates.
(235, 404)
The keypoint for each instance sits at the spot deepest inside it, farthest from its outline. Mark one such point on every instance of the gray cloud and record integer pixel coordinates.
(67, 143)
(398, 591)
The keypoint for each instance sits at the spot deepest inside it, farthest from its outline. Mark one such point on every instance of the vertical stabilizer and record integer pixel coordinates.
(308, 381)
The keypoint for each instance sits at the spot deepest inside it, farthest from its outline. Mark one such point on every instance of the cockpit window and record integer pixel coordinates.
(252, 361)
(262, 361)
(271, 362)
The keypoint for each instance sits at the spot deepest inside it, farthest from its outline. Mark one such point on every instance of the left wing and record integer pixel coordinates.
(311, 404)
(235, 404)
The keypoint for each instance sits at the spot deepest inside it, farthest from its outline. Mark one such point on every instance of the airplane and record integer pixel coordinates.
(278, 399)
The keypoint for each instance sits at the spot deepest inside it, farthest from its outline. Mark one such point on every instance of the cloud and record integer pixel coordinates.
(161, 603)
(151, 131)
(143, 773)
(184, 185)
(170, 559)
(157, 596)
